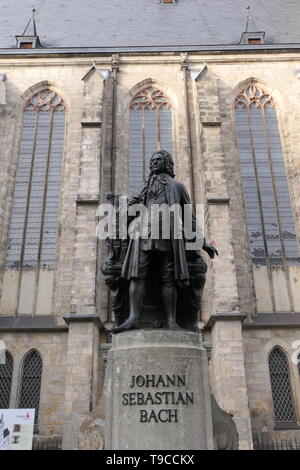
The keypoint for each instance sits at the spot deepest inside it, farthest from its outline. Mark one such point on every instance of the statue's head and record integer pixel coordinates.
(162, 162)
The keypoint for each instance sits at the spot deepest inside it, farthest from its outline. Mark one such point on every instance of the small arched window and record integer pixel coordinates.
(150, 130)
(281, 387)
(6, 371)
(30, 384)
(269, 214)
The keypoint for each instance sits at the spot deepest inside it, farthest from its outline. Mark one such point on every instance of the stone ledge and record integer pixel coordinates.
(87, 199)
(224, 317)
(285, 426)
(146, 338)
(211, 123)
(218, 200)
(72, 318)
(31, 324)
(273, 320)
(91, 124)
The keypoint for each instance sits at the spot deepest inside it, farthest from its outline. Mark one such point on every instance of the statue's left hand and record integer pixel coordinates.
(210, 250)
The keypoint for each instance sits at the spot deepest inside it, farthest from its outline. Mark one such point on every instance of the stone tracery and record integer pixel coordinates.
(253, 95)
(150, 98)
(45, 100)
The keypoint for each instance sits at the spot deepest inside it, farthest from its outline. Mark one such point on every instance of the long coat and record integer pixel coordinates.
(176, 193)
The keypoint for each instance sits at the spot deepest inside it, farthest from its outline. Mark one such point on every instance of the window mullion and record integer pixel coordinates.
(143, 143)
(26, 213)
(158, 129)
(261, 209)
(258, 186)
(273, 183)
(43, 214)
(285, 264)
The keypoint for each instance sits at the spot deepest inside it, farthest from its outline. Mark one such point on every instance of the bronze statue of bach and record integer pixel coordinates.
(154, 258)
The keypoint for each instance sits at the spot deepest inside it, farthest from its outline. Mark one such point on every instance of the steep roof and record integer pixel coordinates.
(149, 23)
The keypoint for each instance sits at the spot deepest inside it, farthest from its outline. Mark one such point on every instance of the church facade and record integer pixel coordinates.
(80, 116)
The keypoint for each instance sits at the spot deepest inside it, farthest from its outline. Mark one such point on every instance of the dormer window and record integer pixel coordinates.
(253, 38)
(251, 35)
(254, 41)
(26, 45)
(27, 42)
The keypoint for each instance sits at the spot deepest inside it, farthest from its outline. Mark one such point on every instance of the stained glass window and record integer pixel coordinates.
(269, 213)
(34, 219)
(31, 378)
(150, 130)
(6, 371)
(281, 387)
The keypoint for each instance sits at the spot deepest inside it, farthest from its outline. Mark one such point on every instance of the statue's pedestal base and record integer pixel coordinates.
(158, 394)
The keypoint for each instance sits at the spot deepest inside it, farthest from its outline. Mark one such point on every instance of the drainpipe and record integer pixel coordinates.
(115, 69)
(185, 70)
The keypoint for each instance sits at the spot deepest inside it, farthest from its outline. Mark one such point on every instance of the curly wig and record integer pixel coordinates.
(169, 163)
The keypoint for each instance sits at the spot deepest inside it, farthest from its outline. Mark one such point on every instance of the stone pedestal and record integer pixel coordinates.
(158, 394)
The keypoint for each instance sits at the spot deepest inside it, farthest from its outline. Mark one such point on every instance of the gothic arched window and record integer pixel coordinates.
(35, 209)
(150, 130)
(281, 387)
(34, 221)
(6, 371)
(269, 214)
(30, 385)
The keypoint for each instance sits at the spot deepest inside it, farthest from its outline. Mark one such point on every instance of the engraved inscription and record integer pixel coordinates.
(165, 397)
